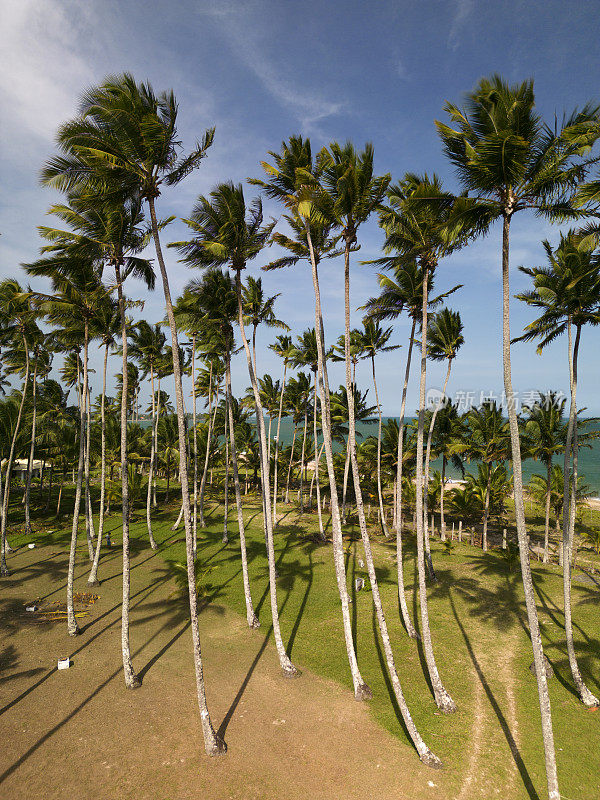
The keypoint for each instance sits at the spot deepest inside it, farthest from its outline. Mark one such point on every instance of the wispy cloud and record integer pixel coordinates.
(462, 11)
(237, 23)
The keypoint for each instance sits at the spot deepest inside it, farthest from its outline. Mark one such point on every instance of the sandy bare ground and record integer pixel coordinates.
(79, 733)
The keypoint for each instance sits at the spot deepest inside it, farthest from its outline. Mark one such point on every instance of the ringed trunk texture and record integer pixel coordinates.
(408, 625)
(442, 697)
(362, 690)
(251, 617)
(131, 679)
(570, 489)
(532, 617)
(213, 744)
(288, 669)
(425, 754)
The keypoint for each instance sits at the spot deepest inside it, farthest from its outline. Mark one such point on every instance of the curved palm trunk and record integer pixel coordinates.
(570, 488)
(251, 617)
(346, 471)
(210, 415)
(289, 472)
(410, 628)
(322, 536)
(286, 665)
(426, 480)
(486, 509)
(442, 698)
(379, 491)
(93, 577)
(547, 513)
(425, 754)
(131, 679)
(225, 538)
(31, 451)
(195, 440)
(89, 527)
(275, 467)
(362, 691)
(442, 485)
(154, 501)
(532, 617)
(212, 743)
(72, 627)
(302, 455)
(153, 544)
(4, 571)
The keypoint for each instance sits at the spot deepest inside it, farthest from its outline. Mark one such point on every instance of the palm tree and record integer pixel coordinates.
(216, 299)
(147, 346)
(283, 347)
(511, 161)
(402, 292)
(419, 226)
(545, 434)
(540, 488)
(227, 231)
(125, 140)
(449, 428)
(210, 390)
(374, 339)
(568, 292)
(445, 339)
(297, 400)
(42, 363)
(294, 180)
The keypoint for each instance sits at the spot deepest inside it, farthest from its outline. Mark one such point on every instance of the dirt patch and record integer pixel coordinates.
(81, 733)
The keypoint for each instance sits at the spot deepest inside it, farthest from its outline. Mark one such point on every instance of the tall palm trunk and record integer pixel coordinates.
(31, 451)
(225, 538)
(88, 498)
(362, 691)
(532, 617)
(426, 479)
(302, 456)
(289, 472)
(442, 698)
(195, 440)
(153, 544)
(4, 571)
(486, 509)
(72, 627)
(286, 665)
(425, 754)
(346, 471)
(410, 628)
(154, 500)
(322, 536)
(547, 512)
(379, 490)
(212, 743)
(442, 485)
(208, 443)
(131, 679)
(570, 488)
(93, 577)
(251, 617)
(276, 465)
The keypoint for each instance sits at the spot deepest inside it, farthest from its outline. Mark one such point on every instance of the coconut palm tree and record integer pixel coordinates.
(294, 181)
(283, 348)
(568, 293)
(449, 428)
(402, 292)
(216, 298)
(298, 401)
(226, 231)
(545, 434)
(510, 161)
(445, 339)
(419, 225)
(374, 340)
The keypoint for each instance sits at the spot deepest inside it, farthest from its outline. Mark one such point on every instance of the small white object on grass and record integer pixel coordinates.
(359, 584)
(64, 663)
(361, 563)
(30, 608)
(431, 784)
(31, 545)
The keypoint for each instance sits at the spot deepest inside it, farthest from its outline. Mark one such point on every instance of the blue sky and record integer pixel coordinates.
(260, 71)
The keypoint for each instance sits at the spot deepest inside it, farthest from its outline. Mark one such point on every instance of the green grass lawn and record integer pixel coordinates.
(478, 623)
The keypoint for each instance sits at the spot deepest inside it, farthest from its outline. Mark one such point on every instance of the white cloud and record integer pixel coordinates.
(236, 23)
(461, 14)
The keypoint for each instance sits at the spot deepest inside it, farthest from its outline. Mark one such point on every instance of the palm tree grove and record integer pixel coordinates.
(297, 402)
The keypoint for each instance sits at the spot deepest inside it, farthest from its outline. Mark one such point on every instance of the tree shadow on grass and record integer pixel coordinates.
(515, 752)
